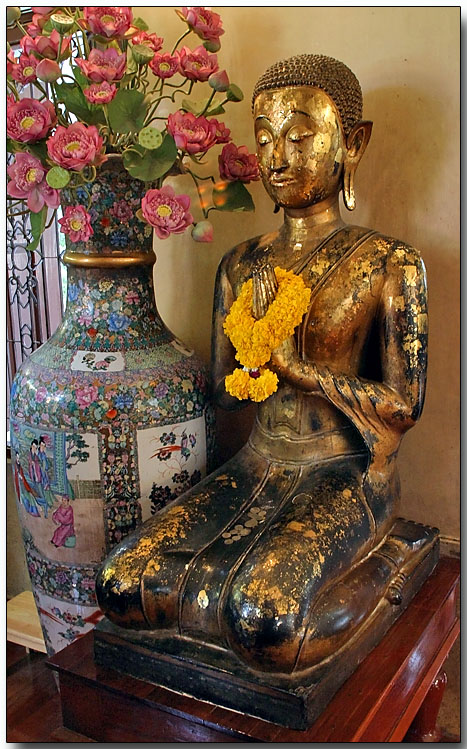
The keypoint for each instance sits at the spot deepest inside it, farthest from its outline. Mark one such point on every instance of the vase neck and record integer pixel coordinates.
(118, 236)
(111, 310)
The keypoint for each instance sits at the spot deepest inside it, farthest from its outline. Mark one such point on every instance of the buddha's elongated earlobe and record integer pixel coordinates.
(357, 141)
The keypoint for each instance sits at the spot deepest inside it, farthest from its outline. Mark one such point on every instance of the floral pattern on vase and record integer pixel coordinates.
(110, 382)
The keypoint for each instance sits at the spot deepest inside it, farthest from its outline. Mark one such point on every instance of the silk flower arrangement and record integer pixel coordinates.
(113, 102)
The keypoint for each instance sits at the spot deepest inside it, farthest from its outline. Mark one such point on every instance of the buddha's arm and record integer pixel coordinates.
(223, 360)
(382, 411)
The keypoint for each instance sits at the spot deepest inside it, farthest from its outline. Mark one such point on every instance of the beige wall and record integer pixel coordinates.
(407, 60)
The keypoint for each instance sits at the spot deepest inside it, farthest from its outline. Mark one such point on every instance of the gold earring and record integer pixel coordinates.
(348, 189)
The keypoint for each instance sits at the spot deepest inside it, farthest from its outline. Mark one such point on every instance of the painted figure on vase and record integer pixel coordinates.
(64, 535)
(39, 478)
(26, 494)
(287, 551)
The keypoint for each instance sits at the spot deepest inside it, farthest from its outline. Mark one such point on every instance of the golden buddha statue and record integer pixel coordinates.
(290, 557)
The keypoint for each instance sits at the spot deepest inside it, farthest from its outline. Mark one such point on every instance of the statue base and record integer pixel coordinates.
(215, 675)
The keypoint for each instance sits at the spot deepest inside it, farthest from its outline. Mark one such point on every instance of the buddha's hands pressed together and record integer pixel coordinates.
(264, 290)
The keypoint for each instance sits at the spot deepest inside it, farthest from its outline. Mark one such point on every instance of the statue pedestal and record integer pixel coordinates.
(379, 702)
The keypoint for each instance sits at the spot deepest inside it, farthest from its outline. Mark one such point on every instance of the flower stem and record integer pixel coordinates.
(180, 39)
(200, 196)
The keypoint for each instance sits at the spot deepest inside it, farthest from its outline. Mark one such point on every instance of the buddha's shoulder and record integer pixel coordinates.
(393, 252)
(245, 253)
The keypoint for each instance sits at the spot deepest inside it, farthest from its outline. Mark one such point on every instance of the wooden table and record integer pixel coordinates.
(23, 624)
(394, 695)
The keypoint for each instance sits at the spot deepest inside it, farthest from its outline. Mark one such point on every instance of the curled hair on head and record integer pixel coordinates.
(319, 71)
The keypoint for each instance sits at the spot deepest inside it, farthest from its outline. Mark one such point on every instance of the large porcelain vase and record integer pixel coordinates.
(109, 418)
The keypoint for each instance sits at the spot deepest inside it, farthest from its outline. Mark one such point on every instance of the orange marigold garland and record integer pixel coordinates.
(254, 340)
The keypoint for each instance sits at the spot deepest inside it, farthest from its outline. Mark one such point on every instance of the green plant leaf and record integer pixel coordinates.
(80, 78)
(38, 221)
(12, 146)
(232, 196)
(219, 109)
(140, 24)
(39, 150)
(75, 101)
(196, 107)
(127, 111)
(150, 165)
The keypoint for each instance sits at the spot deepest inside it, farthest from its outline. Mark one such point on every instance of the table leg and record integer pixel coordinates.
(423, 728)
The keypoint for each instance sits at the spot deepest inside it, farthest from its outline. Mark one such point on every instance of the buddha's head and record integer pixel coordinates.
(310, 136)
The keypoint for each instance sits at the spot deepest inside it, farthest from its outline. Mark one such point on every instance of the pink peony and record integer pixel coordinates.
(166, 212)
(196, 65)
(43, 10)
(192, 134)
(27, 181)
(76, 146)
(108, 21)
(76, 223)
(152, 41)
(219, 81)
(222, 132)
(36, 27)
(29, 120)
(204, 22)
(46, 46)
(164, 65)
(86, 395)
(24, 71)
(237, 164)
(103, 65)
(100, 93)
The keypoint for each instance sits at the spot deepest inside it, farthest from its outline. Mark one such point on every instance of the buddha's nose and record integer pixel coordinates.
(279, 161)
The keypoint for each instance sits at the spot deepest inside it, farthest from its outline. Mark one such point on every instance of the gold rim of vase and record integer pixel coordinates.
(108, 261)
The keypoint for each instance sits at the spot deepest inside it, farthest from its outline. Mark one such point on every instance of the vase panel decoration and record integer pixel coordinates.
(110, 419)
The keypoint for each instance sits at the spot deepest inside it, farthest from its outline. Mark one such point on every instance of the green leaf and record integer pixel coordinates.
(127, 111)
(150, 165)
(39, 150)
(38, 221)
(215, 110)
(80, 78)
(12, 146)
(232, 196)
(140, 24)
(75, 101)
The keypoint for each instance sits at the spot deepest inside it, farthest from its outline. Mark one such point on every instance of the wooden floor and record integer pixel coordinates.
(33, 702)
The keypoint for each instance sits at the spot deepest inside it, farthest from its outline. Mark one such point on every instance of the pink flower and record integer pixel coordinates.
(24, 71)
(10, 63)
(43, 10)
(100, 93)
(29, 120)
(36, 27)
(76, 146)
(205, 23)
(152, 41)
(237, 164)
(103, 65)
(196, 65)
(27, 181)
(108, 21)
(219, 81)
(164, 65)
(222, 132)
(41, 394)
(166, 212)
(48, 71)
(192, 134)
(122, 211)
(132, 297)
(46, 46)
(86, 395)
(76, 223)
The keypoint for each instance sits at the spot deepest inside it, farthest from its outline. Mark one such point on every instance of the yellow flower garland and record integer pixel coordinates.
(254, 340)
